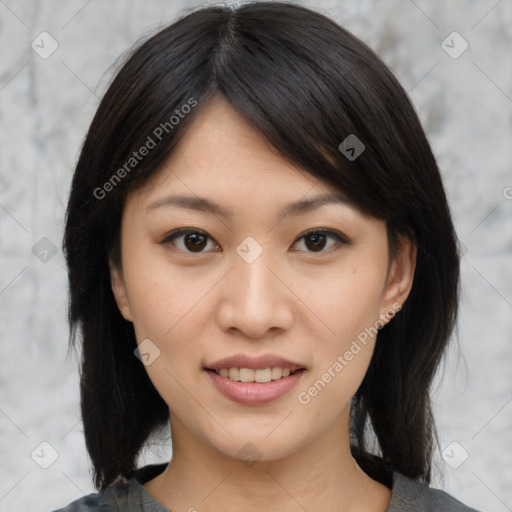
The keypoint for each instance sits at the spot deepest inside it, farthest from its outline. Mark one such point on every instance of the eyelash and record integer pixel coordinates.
(338, 237)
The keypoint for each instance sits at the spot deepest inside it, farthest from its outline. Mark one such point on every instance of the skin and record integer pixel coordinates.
(304, 304)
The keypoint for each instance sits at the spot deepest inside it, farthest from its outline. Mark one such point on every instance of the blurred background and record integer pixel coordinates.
(56, 58)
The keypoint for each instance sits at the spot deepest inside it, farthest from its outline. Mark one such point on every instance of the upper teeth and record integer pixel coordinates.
(250, 375)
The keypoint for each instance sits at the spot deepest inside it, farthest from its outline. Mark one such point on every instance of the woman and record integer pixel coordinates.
(261, 253)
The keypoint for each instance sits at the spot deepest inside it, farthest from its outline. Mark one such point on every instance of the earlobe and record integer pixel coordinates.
(119, 290)
(400, 279)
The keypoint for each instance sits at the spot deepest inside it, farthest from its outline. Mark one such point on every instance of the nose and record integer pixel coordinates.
(255, 298)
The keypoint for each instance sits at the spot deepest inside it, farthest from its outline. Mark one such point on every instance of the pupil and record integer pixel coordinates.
(317, 237)
(196, 239)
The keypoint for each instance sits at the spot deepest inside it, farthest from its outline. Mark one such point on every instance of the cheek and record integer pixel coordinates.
(162, 297)
(171, 306)
(167, 309)
(340, 360)
(347, 300)
(348, 305)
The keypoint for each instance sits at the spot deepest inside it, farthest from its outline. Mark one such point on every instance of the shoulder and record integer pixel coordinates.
(408, 494)
(123, 496)
(88, 503)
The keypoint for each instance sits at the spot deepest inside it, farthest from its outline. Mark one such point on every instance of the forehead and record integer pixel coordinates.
(221, 155)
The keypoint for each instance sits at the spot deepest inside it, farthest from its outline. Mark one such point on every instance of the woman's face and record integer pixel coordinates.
(247, 281)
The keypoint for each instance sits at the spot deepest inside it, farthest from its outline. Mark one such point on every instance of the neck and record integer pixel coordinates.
(321, 476)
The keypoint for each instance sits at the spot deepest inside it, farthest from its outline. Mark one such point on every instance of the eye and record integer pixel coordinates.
(193, 240)
(316, 239)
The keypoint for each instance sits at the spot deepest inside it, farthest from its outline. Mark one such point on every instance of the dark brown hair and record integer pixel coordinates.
(306, 84)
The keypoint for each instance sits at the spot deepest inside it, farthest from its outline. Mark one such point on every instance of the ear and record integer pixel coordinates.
(399, 280)
(119, 290)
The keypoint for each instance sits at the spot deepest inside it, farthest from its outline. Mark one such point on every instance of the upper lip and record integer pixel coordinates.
(245, 361)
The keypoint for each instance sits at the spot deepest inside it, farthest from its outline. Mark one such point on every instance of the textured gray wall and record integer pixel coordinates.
(465, 104)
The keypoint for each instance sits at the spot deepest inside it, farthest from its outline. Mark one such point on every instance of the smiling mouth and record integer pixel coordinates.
(260, 375)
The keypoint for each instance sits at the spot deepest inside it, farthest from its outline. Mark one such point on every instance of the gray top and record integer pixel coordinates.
(407, 495)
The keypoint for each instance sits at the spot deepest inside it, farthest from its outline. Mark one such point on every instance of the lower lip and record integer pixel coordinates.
(254, 393)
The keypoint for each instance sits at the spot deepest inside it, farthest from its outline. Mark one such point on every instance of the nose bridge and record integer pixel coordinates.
(257, 284)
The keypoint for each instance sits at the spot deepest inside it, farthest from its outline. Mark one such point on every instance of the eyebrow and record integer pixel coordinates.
(207, 205)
